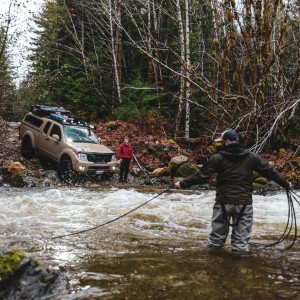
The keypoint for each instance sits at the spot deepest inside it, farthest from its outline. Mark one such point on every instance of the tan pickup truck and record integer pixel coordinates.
(54, 133)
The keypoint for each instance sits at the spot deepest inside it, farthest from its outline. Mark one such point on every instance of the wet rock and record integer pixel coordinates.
(33, 281)
(13, 173)
(147, 181)
(186, 170)
(14, 180)
(176, 162)
(14, 167)
(160, 172)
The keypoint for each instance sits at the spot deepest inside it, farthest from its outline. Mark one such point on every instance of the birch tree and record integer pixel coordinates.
(188, 67)
(114, 47)
(182, 69)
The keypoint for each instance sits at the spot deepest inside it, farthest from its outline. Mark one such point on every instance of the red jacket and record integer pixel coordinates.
(125, 151)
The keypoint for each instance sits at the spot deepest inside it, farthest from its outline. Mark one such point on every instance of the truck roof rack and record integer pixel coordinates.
(46, 111)
(68, 119)
(58, 114)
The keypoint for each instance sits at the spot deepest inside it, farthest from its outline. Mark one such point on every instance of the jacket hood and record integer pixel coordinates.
(235, 152)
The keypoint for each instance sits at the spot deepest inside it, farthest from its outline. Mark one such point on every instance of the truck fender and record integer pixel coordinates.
(68, 153)
(31, 135)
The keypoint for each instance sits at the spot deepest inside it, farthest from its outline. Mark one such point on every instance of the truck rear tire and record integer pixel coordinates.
(26, 148)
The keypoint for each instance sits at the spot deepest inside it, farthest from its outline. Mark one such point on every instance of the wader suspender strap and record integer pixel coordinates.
(238, 217)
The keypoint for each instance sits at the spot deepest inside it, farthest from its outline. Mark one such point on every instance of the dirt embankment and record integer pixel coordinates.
(152, 147)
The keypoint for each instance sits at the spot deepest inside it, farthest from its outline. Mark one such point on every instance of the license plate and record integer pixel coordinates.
(99, 172)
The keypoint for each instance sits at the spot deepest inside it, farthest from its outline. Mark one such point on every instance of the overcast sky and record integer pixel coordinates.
(23, 13)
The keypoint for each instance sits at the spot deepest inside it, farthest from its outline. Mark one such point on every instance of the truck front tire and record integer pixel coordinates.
(66, 172)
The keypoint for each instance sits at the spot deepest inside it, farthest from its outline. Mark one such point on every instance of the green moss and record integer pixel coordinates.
(258, 186)
(171, 141)
(9, 262)
(171, 167)
(175, 163)
(186, 170)
(261, 180)
(112, 126)
(212, 149)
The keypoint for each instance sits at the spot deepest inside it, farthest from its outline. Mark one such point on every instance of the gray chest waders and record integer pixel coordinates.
(238, 217)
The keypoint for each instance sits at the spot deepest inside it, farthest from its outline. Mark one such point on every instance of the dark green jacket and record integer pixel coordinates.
(234, 166)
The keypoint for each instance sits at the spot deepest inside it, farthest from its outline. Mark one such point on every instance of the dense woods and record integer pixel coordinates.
(195, 67)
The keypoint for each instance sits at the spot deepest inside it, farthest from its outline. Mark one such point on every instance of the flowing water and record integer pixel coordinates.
(155, 252)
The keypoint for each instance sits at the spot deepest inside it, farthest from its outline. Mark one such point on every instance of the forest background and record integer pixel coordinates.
(191, 68)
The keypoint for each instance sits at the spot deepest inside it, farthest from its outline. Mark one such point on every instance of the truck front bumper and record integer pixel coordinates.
(95, 169)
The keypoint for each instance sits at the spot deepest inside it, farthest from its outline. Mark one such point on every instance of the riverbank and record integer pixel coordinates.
(152, 148)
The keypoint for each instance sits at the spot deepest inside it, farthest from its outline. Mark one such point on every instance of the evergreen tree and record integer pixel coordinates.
(7, 87)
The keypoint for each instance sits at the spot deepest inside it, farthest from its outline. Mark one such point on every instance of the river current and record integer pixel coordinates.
(157, 251)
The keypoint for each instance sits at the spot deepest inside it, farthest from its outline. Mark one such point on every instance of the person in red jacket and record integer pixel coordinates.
(125, 154)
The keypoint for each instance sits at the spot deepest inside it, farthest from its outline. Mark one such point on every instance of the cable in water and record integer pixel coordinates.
(113, 220)
(291, 222)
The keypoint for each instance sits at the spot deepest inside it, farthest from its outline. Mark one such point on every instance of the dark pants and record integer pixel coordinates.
(124, 168)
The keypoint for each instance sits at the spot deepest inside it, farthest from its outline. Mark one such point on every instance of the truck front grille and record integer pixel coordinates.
(99, 158)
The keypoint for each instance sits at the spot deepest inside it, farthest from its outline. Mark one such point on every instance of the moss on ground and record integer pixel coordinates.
(9, 262)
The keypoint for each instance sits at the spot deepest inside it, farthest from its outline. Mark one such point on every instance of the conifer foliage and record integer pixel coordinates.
(203, 65)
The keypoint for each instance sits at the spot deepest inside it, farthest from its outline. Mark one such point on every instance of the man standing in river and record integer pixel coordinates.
(234, 165)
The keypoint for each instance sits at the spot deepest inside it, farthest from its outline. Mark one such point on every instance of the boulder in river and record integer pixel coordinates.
(24, 278)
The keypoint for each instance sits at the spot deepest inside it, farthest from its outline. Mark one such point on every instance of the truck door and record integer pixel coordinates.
(43, 141)
(48, 145)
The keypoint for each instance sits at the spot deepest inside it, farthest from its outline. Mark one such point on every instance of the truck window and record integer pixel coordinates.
(46, 128)
(79, 135)
(36, 122)
(55, 130)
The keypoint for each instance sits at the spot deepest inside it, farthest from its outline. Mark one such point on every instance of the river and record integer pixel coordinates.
(155, 252)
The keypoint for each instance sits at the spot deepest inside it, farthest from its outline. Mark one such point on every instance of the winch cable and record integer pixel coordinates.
(291, 222)
(113, 220)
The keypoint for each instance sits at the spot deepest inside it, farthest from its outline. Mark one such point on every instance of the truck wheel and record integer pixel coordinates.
(26, 148)
(66, 172)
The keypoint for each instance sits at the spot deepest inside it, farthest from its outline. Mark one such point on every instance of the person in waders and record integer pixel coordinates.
(234, 165)
(125, 154)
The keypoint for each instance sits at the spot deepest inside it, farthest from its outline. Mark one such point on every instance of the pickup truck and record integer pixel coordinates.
(54, 133)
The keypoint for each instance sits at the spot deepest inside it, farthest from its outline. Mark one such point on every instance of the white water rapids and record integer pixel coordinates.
(168, 231)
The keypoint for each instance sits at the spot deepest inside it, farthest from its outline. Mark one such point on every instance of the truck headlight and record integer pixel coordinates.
(113, 158)
(82, 157)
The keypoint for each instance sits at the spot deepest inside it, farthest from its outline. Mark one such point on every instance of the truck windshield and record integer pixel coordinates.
(80, 135)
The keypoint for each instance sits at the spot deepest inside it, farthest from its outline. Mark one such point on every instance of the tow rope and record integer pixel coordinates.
(291, 224)
(113, 220)
(142, 169)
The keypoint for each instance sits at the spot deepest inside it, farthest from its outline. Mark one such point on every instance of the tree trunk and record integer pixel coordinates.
(114, 51)
(182, 69)
(188, 68)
